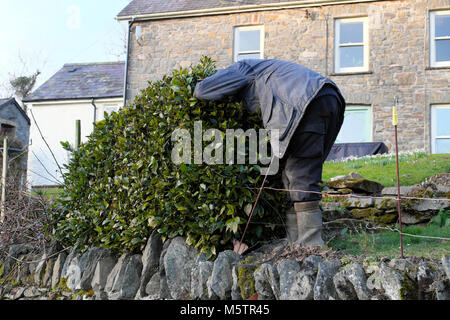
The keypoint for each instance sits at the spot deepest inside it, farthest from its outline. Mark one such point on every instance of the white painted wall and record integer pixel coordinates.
(56, 120)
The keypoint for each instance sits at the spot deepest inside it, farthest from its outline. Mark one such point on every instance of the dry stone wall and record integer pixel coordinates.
(348, 200)
(275, 271)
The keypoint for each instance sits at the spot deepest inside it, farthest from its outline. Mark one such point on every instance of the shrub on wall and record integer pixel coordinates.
(121, 184)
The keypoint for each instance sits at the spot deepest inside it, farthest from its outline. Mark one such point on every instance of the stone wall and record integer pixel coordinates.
(356, 200)
(173, 270)
(398, 61)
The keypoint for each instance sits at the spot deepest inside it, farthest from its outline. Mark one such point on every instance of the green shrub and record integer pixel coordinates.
(121, 184)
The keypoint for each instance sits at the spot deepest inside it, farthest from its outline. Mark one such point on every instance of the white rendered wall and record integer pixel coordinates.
(56, 121)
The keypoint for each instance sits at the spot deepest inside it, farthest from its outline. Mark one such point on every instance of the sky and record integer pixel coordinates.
(46, 34)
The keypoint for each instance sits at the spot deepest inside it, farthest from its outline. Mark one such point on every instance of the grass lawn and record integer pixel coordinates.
(47, 193)
(413, 168)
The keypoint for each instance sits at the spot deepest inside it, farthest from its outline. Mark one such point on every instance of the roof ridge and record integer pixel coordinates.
(166, 9)
(92, 63)
(14, 101)
(5, 100)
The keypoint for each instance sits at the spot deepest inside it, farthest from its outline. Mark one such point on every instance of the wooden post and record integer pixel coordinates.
(77, 134)
(4, 175)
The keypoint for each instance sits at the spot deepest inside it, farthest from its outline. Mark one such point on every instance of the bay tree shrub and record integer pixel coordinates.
(121, 184)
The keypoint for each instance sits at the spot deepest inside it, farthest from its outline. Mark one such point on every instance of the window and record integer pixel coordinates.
(248, 43)
(351, 45)
(138, 32)
(440, 38)
(357, 126)
(440, 129)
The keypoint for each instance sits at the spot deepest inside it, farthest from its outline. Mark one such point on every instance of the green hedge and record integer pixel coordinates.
(121, 184)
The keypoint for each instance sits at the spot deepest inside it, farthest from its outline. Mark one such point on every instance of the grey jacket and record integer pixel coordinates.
(281, 89)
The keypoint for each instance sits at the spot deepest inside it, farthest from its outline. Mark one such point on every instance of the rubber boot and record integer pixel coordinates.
(309, 222)
(291, 226)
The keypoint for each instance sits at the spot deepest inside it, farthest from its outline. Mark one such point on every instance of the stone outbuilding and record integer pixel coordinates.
(15, 123)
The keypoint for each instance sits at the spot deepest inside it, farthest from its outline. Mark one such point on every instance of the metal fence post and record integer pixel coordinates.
(399, 209)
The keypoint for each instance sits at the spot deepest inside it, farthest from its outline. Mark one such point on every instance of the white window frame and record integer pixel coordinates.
(350, 108)
(237, 52)
(434, 136)
(364, 44)
(433, 38)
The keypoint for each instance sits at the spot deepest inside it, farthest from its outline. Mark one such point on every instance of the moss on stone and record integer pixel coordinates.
(343, 183)
(370, 261)
(62, 284)
(246, 280)
(386, 204)
(386, 219)
(327, 199)
(82, 293)
(408, 290)
(14, 282)
(345, 261)
(345, 191)
(365, 213)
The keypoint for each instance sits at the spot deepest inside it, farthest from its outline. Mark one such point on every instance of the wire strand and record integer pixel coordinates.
(351, 194)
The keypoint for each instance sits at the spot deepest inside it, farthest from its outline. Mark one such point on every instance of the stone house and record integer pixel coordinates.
(375, 51)
(82, 92)
(16, 124)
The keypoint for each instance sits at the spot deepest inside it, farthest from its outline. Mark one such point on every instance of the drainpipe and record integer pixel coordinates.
(95, 110)
(130, 24)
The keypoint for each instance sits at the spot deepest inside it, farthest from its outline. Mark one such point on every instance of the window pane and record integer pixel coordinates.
(248, 56)
(442, 50)
(351, 32)
(442, 145)
(442, 25)
(442, 122)
(249, 40)
(356, 127)
(351, 57)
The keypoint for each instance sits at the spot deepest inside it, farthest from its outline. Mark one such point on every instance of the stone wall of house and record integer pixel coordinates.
(398, 59)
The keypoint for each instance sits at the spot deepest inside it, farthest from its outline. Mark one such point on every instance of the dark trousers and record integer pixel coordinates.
(309, 147)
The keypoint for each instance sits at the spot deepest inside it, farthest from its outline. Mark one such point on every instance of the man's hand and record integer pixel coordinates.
(239, 247)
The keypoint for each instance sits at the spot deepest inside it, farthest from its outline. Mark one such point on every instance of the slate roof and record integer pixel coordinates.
(141, 7)
(9, 101)
(82, 81)
(3, 101)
